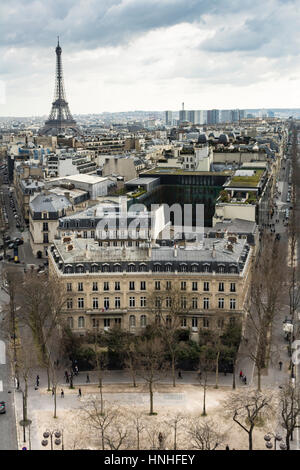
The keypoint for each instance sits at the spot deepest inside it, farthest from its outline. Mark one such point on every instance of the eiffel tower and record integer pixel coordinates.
(60, 120)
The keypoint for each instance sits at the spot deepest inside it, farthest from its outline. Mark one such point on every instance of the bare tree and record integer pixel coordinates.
(42, 303)
(174, 422)
(97, 419)
(249, 409)
(204, 434)
(289, 407)
(168, 309)
(265, 298)
(206, 365)
(138, 422)
(150, 362)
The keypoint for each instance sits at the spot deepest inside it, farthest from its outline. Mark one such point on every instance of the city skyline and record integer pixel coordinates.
(218, 54)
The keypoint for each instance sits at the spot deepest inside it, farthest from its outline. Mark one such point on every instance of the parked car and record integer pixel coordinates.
(2, 407)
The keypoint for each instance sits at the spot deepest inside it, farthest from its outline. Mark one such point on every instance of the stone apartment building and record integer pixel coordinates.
(127, 287)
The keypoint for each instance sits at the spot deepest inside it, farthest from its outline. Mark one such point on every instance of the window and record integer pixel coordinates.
(205, 322)
(70, 322)
(194, 302)
(94, 268)
(80, 322)
(157, 320)
(45, 226)
(221, 269)
(183, 302)
(206, 286)
(157, 268)
(131, 268)
(157, 302)
(195, 322)
(221, 286)
(143, 285)
(183, 285)
(232, 304)
(143, 321)
(117, 302)
(183, 268)
(80, 302)
(132, 321)
(117, 268)
(183, 322)
(69, 303)
(143, 268)
(69, 287)
(95, 286)
(106, 322)
(95, 323)
(143, 302)
(105, 268)
(168, 285)
(206, 303)
(220, 323)
(80, 286)
(206, 268)
(233, 269)
(106, 303)
(92, 234)
(168, 268)
(221, 302)
(168, 302)
(131, 285)
(117, 285)
(232, 321)
(232, 287)
(168, 321)
(95, 303)
(106, 286)
(194, 286)
(84, 234)
(194, 268)
(157, 285)
(45, 238)
(131, 301)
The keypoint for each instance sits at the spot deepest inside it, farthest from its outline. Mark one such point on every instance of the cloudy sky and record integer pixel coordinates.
(122, 55)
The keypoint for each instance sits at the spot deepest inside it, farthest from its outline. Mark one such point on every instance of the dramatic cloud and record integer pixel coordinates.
(150, 54)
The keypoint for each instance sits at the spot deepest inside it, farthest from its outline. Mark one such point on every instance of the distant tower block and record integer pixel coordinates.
(60, 120)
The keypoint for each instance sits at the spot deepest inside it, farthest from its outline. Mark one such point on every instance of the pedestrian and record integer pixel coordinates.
(87, 378)
(62, 394)
(37, 380)
(227, 447)
(280, 365)
(76, 370)
(241, 374)
(245, 380)
(79, 392)
(179, 374)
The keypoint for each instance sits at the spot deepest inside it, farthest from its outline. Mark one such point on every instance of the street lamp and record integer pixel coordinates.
(57, 441)
(268, 437)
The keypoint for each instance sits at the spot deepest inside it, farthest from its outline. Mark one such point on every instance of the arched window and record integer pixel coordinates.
(80, 268)
(183, 268)
(233, 269)
(168, 267)
(206, 268)
(68, 269)
(221, 268)
(157, 268)
(131, 268)
(70, 322)
(117, 268)
(143, 321)
(80, 322)
(105, 268)
(143, 268)
(194, 268)
(132, 321)
(94, 268)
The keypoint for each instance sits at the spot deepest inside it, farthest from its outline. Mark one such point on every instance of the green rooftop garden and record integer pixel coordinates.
(245, 181)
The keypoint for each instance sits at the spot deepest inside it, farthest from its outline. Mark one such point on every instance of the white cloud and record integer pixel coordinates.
(209, 54)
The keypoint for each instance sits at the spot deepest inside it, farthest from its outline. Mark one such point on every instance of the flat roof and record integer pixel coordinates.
(82, 178)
